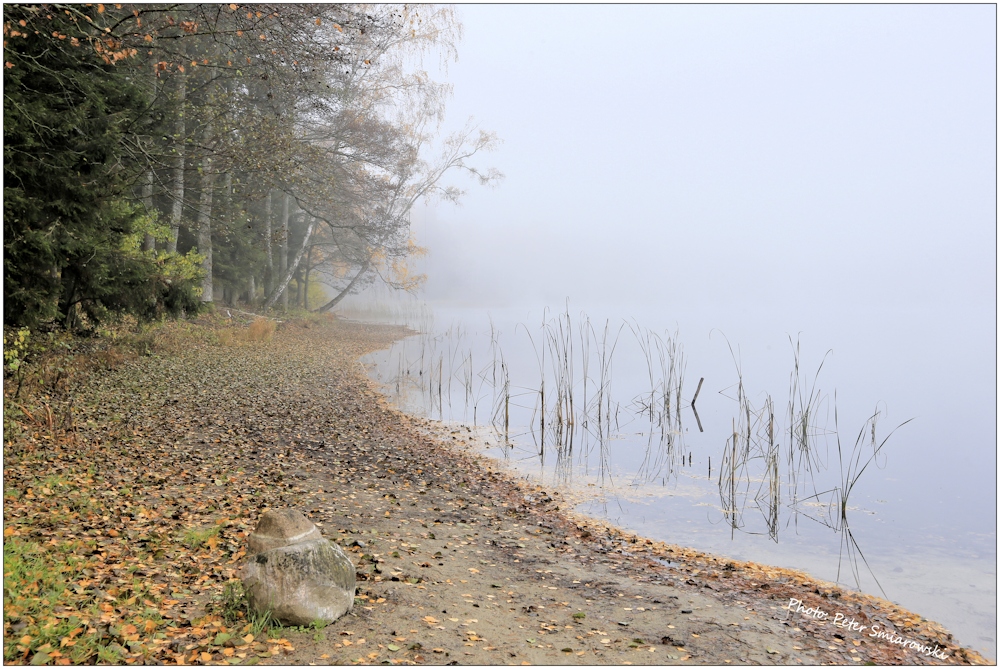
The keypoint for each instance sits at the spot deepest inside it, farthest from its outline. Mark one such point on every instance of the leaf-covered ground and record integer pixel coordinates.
(127, 503)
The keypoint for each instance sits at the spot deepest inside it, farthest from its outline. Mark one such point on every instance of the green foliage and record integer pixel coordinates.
(28, 567)
(195, 537)
(15, 345)
(238, 255)
(317, 294)
(184, 109)
(235, 609)
(70, 121)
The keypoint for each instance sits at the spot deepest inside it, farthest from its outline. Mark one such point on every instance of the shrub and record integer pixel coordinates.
(262, 329)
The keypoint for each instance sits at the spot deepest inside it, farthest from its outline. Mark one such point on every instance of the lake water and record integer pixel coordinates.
(920, 521)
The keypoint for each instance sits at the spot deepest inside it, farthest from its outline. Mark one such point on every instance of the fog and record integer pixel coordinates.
(834, 157)
(758, 172)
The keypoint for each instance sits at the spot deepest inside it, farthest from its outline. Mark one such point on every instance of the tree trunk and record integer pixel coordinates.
(148, 242)
(269, 267)
(225, 215)
(305, 297)
(177, 192)
(281, 290)
(284, 252)
(68, 303)
(205, 221)
(251, 291)
(332, 303)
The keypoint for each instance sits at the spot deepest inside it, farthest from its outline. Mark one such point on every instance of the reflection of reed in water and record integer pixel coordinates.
(754, 439)
(805, 435)
(665, 454)
(600, 408)
(663, 406)
(734, 477)
(769, 497)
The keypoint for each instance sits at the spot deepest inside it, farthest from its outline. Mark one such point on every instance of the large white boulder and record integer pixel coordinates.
(295, 573)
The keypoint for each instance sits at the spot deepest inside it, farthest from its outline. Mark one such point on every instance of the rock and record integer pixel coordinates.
(298, 576)
(282, 527)
(301, 583)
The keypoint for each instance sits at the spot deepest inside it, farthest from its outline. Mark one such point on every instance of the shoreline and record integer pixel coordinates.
(457, 561)
(642, 547)
(484, 439)
(694, 560)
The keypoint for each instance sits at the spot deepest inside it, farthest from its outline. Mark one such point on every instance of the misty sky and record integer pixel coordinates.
(678, 156)
(757, 172)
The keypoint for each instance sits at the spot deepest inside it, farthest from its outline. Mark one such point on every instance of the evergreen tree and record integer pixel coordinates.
(70, 117)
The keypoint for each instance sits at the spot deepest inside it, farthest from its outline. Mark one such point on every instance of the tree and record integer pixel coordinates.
(69, 113)
(238, 132)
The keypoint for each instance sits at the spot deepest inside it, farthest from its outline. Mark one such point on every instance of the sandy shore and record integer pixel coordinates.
(507, 574)
(459, 562)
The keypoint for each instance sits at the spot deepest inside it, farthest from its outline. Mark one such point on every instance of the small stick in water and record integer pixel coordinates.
(697, 390)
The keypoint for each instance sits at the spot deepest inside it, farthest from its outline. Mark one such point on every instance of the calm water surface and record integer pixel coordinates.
(921, 517)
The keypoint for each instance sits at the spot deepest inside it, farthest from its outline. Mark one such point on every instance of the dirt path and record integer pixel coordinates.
(458, 563)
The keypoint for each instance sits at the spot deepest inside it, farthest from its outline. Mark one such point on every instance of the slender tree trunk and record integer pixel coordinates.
(284, 251)
(269, 267)
(148, 242)
(177, 192)
(205, 221)
(227, 191)
(251, 291)
(332, 303)
(68, 302)
(305, 298)
(225, 214)
(281, 289)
